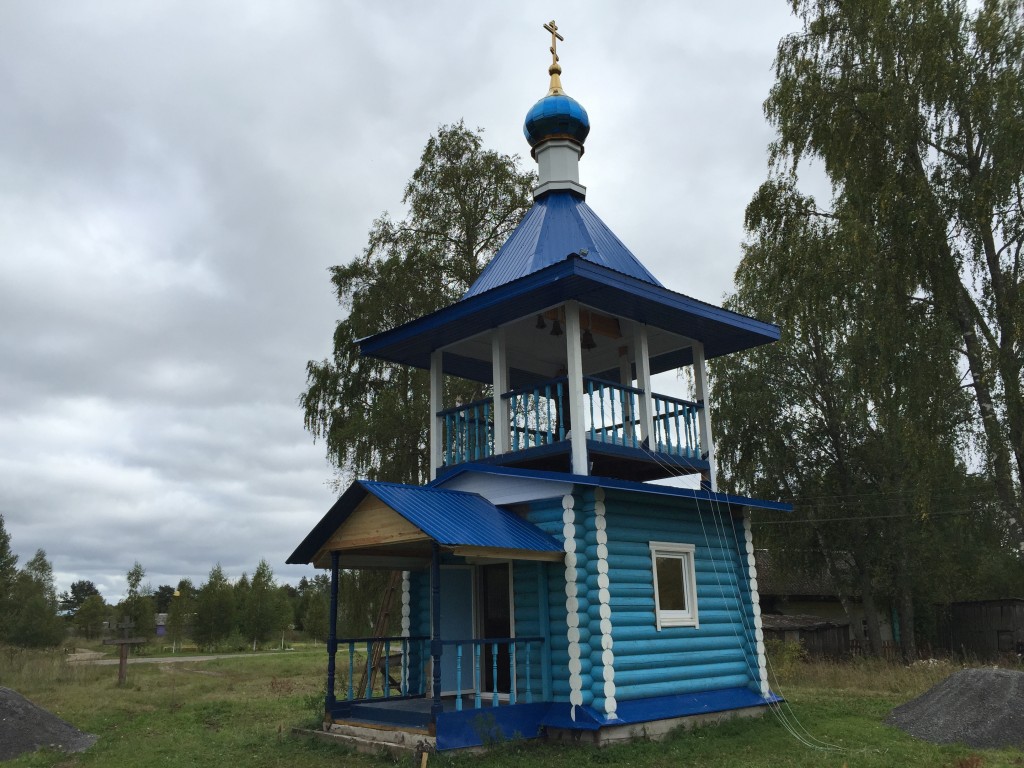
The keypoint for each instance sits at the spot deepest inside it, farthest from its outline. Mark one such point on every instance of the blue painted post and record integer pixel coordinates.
(632, 417)
(512, 673)
(545, 632)
(369, 669)
(512, 413)
(529, 685)
(447, 440)
(476, 676)
(332, 636)
(435, 642)
(494, 674)
(679, 434)
(387, 669)
(537, 417)
(351, 669)
(561, 419)
(488, 431)
(458, 677)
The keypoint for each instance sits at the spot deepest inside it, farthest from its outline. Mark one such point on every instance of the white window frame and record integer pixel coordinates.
(685, 554)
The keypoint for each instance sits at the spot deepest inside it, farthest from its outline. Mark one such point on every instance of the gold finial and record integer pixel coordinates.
(555, 69)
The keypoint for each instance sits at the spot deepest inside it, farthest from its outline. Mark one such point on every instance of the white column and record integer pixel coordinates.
(436, 396)
(574, 368)
(643, 381)
(499, 378)
(707, 444)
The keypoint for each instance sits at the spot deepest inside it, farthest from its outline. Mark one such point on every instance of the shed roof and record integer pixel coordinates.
(451, 518)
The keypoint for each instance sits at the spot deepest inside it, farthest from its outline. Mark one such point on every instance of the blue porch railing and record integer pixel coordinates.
(401, 657)
(521, 653)
(468, 432)
(539, 416)
(676, 431)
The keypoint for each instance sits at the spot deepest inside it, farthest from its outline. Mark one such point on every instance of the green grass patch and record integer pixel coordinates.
(239, 712)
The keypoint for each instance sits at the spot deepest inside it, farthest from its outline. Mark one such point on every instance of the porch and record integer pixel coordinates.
(493, 696)
(627, 433)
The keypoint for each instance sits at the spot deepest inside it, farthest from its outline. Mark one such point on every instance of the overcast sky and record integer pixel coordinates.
(176, 178)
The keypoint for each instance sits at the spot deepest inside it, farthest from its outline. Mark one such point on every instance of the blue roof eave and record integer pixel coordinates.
(722, 331)
(451, 518)
(615, 484)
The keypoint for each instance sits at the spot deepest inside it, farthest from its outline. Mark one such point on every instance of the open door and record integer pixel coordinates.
(495, 612)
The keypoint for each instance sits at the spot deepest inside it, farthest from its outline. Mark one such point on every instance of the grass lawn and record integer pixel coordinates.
(239, 712)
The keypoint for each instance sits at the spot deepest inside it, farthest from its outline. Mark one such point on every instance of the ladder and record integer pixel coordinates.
(379, 628)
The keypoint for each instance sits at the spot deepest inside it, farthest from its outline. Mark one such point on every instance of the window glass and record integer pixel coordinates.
(675, 584)
(672, 595)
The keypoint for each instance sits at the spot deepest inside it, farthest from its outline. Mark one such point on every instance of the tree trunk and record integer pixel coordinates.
(905, 610)
(867, 594)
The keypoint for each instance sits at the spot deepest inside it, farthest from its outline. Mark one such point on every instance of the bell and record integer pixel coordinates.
(556, 328)
(587, 340)
(541, 325)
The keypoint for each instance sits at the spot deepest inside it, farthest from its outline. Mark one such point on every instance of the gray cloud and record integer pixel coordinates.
(176, 178)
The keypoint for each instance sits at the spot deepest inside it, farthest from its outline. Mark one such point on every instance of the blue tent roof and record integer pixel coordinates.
(558, 224)
(451, 518)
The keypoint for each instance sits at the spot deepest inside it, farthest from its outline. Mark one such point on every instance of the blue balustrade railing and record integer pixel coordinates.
(676, 430)
(515, 655)
(612, 412)
(468, 432)
(538, 416)
(401, 666)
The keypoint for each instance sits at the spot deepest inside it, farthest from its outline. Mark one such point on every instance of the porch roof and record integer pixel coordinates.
(456, 520)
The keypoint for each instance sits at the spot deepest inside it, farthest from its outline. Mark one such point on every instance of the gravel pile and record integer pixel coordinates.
(982, 708)
(25, 727)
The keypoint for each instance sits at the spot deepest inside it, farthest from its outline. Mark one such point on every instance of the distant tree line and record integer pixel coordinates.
(248, 612)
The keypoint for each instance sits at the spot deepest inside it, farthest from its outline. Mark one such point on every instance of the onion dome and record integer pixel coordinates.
(556, 116)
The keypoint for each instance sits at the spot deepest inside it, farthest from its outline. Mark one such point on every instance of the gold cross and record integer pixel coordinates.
(555, 37)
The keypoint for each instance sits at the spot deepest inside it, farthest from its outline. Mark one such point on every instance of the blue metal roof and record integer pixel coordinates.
(595, 285)
(559, 224)
(615, 484)
(451, 518)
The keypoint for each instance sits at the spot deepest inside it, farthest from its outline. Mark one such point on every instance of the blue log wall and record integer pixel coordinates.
(717, 654)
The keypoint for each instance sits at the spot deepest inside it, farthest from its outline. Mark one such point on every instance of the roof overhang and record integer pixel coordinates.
(575, 278)
(387, 525)
(512, 484)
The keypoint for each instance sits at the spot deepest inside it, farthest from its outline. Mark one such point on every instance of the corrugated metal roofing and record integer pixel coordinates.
(455, 518)
(559, 223)
(451, 518)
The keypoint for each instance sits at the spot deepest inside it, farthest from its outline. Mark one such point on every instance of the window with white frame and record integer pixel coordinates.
(675, 584)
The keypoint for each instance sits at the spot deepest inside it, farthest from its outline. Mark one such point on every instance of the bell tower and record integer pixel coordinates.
(568, 327)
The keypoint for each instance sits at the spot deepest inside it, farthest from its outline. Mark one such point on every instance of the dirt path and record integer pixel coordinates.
(106, 662)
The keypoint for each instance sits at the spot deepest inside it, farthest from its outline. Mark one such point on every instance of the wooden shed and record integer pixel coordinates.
(983, 629)
(822, 638)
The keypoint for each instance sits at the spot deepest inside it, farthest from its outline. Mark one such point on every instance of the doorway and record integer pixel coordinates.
(494, 607)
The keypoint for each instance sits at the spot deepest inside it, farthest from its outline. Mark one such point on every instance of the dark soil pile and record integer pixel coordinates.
(982, 708)
(25, 727)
